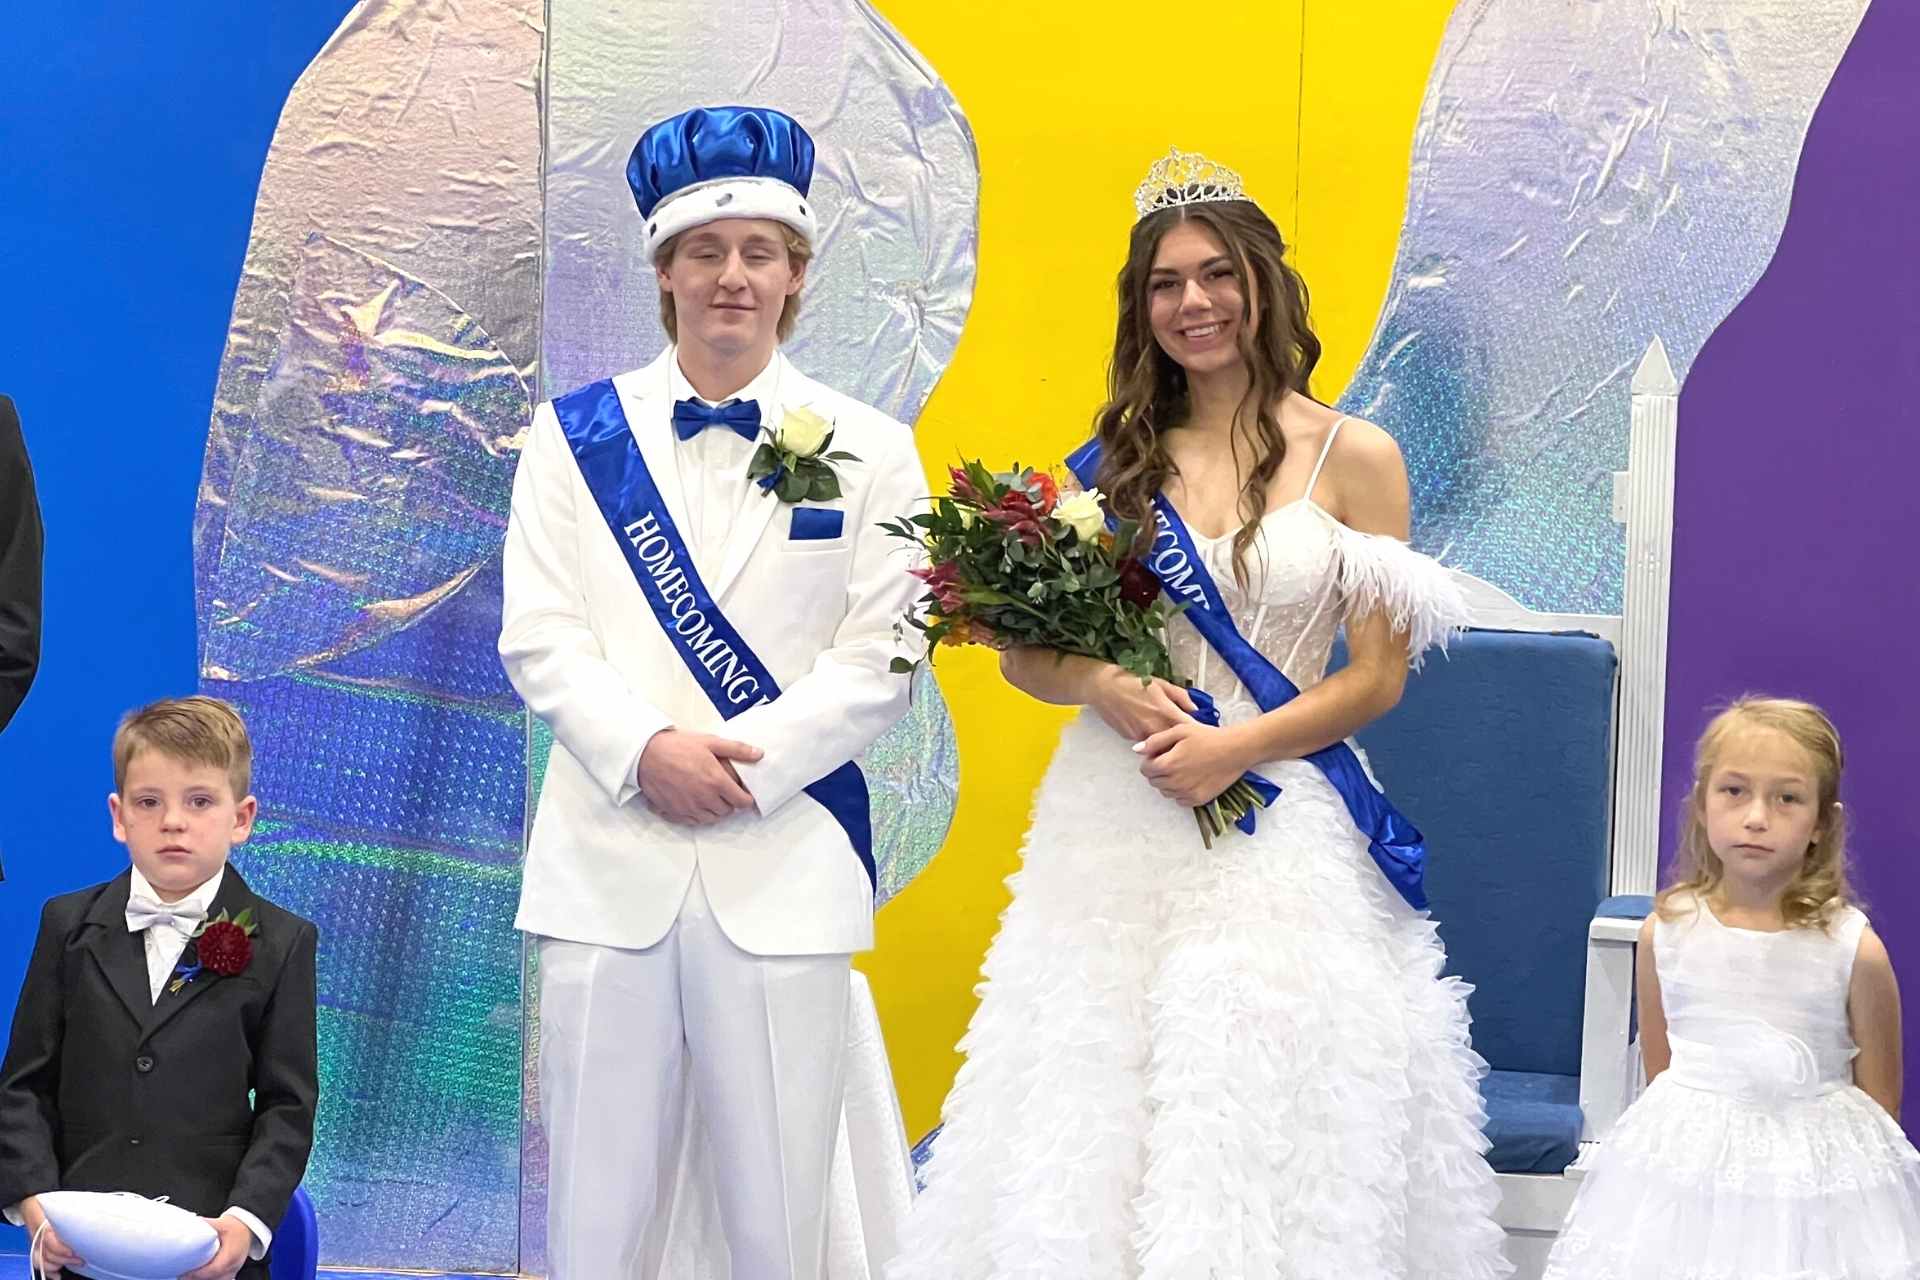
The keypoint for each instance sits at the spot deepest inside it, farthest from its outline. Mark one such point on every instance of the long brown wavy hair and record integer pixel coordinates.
(1147, 389)
(1820, 887)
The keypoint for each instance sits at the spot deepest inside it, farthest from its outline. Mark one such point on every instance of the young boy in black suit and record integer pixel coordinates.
(156, 1002)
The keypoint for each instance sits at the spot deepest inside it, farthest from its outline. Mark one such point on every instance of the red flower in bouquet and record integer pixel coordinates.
(963, 489)
(1138, 586)
(943, 581)
(1017, 514)
(1048, 490)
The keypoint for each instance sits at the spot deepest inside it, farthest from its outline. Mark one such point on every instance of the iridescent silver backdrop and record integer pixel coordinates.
(1586, 174)
(376, 381)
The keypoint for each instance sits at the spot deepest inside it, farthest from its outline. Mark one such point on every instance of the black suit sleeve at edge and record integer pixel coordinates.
(30, 1075)
(21, 549)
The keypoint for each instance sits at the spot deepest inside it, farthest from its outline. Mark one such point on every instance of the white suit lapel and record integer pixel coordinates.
(644, 395)
(750, 524)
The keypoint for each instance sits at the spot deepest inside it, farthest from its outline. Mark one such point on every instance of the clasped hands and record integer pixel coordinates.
(688, 778)
(1186, 761)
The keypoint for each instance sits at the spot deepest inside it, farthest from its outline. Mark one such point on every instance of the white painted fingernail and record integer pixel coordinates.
(1139, 746)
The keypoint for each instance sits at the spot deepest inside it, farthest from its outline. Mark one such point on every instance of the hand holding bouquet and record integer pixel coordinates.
(1010, 556)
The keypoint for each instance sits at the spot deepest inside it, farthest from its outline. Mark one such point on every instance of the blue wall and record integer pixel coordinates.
(134, 141)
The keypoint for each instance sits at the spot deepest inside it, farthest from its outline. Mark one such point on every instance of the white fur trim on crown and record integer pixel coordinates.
(705, 202)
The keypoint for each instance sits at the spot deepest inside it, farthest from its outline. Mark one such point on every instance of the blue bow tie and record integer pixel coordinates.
(742, 417)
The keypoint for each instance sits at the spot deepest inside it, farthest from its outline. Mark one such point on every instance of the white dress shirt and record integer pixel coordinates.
(713, 465)
(166, 942)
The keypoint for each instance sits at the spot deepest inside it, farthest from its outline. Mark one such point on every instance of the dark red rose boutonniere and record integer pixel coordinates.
(220, 946)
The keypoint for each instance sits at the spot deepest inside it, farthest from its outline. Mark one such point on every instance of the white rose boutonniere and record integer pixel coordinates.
(795, 464)
(802, 433)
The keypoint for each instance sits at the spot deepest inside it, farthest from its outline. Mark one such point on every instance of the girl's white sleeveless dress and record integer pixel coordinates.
(1753, 1156)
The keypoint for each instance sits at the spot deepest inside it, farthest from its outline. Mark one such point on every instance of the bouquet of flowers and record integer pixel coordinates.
(1012, 559)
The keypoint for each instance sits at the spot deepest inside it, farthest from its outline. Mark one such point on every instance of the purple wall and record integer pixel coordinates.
(1795, 544)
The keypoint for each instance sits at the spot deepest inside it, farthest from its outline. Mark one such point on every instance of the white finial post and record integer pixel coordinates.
(1643, 659)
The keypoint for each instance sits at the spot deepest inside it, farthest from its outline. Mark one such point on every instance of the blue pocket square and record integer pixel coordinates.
(813, 523)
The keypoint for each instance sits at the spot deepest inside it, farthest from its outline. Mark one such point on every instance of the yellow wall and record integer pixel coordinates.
(1314, 102)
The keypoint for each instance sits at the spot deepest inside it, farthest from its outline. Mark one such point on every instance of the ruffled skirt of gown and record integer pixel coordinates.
(1239, 1063)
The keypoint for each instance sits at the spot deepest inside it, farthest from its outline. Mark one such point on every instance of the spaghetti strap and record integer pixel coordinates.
(1325, 449)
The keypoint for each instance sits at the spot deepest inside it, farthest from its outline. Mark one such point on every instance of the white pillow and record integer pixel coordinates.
(125, 1237)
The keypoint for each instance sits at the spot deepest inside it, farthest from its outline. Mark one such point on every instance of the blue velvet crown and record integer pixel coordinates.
(722, 162)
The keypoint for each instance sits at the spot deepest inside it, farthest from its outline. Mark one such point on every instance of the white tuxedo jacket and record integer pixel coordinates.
(583, 649)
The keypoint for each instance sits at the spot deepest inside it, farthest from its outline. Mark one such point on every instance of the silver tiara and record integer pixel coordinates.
(1185, 177)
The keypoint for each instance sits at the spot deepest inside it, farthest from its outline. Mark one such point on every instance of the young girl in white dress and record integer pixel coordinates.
(1766, 1145)
(1242, 1062)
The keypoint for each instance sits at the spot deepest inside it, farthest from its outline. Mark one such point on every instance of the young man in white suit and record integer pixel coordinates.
(712, 646)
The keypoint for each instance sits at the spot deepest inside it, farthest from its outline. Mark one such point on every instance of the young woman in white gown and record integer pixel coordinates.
(1238, 1062)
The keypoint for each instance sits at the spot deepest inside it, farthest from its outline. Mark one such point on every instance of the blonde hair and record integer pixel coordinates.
(799, 254)
(1820, 887)
(196, 730)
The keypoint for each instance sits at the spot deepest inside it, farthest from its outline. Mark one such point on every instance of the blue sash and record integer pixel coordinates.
(1396, 844)
(726, 669)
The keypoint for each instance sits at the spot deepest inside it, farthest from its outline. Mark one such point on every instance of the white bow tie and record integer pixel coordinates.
(146, 913)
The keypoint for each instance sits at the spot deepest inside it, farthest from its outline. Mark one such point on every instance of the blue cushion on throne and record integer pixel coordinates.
(1500, 753)
(1533, 1121)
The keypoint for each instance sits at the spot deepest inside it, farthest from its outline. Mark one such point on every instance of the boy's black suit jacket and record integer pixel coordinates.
(103, 1089)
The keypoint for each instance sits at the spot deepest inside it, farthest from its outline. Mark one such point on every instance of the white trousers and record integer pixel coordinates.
(760, 1040)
